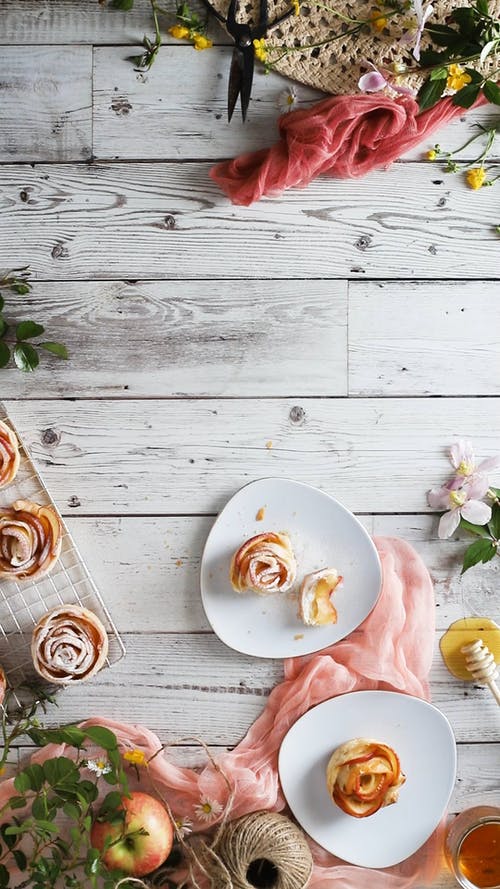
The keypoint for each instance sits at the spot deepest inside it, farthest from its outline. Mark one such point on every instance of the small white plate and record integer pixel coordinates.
(324, 534)
(423, 740)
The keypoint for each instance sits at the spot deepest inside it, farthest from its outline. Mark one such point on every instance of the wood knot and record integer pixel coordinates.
(363, 242)
(121, 106)
(24, 195)
(297, 415)
(59, 251)
(50, 437)
(169, 221)
(73, 501)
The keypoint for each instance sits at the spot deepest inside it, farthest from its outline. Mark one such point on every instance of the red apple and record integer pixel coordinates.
(141, 854)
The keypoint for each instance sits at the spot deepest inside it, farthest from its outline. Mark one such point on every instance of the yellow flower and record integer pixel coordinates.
(432, 154)
(260, 48)
(200, 41)
(136, 757)
(476, 177)
(2, 770)
(180, 32)
(378, 20)
(296, 7)
(457, 77)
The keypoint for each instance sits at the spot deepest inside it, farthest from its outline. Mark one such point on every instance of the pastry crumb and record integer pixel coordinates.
(260, 514)
(298, 636)
(269, 445)
(179, 563)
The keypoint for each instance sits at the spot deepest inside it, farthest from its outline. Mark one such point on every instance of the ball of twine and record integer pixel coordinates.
(263, 850)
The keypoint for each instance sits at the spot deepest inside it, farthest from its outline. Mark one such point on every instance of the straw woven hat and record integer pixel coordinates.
(336, 66)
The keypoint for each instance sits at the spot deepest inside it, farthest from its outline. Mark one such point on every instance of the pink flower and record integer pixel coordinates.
(422, 14)
(373, 81)
(464, 463)
(461, 502)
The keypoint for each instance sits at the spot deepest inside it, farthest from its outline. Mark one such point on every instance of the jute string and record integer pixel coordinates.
(263, 850)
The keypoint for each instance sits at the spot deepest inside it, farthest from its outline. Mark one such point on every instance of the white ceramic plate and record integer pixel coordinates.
(422, 738)
(323, 534)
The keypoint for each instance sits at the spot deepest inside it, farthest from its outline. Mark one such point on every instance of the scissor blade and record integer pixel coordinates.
(247, 78)
(235, 80)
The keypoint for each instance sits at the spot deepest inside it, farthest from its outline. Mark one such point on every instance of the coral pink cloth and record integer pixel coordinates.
(391, 650)
(344, 136)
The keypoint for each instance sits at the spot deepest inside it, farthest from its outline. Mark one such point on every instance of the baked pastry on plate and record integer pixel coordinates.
(68, 644)
(264, 564)
(9, 455)
(364, 775)
(30, 540)
(316, 608)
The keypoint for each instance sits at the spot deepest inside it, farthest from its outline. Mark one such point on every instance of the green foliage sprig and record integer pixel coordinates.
(473, 34)
(485, 548)
(25, 354)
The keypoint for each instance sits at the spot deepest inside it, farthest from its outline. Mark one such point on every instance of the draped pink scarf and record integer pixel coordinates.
(342, 136)
(391, 650)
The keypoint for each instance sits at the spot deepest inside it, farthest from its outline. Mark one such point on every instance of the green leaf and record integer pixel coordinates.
(480, 551)
(20, 858)
(22, 782)
(492, 92)
(67, 734)
(26, 330)
(482, 7)
(475, 76)
(122, 4)
(466, 97)
(21, 288)
(111, 803)
(494, 523)
(46, 826)
(72, 811)
(102, 736)
(430, 92)
(60, 771)
(3, 326)
(17, 802)
(2, 302)
(4, 877)
(439, 74)
(26, 357)
(58, 349)
(4, 354)
(478, 530)
(93, 862)
(40, 809)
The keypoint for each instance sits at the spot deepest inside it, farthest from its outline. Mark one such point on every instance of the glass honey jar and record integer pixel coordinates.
(473, 848)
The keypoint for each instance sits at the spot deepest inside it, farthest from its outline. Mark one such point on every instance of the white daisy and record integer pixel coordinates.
(99, 766)
(183, 826)
(207, 809)
(287, 99)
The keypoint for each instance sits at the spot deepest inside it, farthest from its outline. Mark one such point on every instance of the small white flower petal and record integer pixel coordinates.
(372, 82)
(477, 512)
(448, 523)
(476, 486)
(438, 498)
(461, 452)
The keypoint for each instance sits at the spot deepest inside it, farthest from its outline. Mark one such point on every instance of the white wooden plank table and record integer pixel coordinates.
(352, 324)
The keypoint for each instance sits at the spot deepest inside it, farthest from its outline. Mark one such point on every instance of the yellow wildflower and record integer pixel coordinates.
(2, 770)
(378, 20)
(432, 154)
(180, 32)
(200, 41)
(260, 48)
(296, 7)
(476, 177)
(457, 77)
(136, 757)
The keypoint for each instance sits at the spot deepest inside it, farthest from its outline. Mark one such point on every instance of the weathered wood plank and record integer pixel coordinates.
(424, 338)
(189, 338)
(170, 220)
(134, 119)
(46, 104)
(178, 684)
(189, 456)
(160, 556)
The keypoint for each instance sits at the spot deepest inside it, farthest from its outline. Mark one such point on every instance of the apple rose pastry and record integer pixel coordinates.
(3, 685)
(315, 605)
(30, 540)
(264, 564)
(68, 644)
(364, 775)
(9, 455)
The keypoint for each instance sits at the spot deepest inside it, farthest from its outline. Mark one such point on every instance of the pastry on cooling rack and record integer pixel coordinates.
(68, 644)
(364, 775)
(9, 455)
(315, 605)
(30, 540)
(264, 564)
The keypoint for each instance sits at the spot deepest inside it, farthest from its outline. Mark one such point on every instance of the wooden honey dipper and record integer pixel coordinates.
(481, 663)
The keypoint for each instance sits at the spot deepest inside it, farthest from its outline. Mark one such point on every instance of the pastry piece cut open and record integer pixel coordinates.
(316, 608)
(69, 644)
(264, 564)
(9, 455)
(364, 775)
(30, 540)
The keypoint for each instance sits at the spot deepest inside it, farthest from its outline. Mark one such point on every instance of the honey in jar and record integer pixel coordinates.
(479, 855)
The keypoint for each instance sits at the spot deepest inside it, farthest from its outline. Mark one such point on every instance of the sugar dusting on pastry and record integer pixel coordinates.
(264, 564)
(363, 776)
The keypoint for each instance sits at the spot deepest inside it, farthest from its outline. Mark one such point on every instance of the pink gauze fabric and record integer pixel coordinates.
(391, 650)
(343, 136)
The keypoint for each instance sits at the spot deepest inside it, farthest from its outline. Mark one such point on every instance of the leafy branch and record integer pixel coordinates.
(25, 354)
(486, 547)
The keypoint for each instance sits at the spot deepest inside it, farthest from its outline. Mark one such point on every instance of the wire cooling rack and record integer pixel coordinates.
(22, 603)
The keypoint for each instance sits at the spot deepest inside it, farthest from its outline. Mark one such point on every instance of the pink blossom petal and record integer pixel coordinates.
(448, 523)
(461, 452)
(477, 512)
(438, 497)
(489, 464)
(476, 486)
(402, 90)
(372, 82)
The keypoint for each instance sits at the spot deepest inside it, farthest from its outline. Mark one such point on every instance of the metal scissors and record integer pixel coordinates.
(242, 62)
